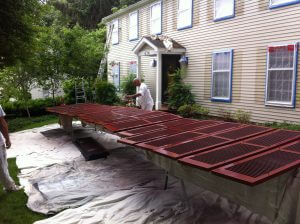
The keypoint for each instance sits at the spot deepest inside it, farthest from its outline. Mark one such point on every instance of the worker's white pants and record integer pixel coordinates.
(5, 178)
(148, 107)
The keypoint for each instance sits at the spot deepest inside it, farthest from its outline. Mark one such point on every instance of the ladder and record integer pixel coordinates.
(104, 59)
(80, 95)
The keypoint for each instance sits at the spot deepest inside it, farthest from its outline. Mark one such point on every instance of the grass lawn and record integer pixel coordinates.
(13, 208)
(23, 123)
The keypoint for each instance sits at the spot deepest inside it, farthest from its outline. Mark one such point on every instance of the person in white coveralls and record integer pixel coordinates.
(144, 97)
(5, 179)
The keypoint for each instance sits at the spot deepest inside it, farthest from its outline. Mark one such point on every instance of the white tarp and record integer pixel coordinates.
(124, 188)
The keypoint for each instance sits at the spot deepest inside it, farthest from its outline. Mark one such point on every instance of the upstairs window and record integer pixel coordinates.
(278, 3)
(185, 14)
(115, 32)
(155, 20)
(224, 9)
(281, 75)
(222, 75)
(133, 26)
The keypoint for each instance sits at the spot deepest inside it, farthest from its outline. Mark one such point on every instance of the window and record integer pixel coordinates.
(155, 21)
(278, 3)
(116, 75)
(133, 26)
(185, 14)
(224, 9)
(115, 32)
(281, 75)
(222, 75)
(133, 67)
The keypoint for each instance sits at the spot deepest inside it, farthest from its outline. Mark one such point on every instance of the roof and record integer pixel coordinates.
(155, 40)
(126, 10)
(159, 43)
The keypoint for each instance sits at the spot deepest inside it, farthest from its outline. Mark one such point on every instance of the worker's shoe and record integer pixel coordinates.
(13, 189)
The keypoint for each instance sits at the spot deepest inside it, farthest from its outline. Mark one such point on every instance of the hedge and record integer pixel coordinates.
(36, 107)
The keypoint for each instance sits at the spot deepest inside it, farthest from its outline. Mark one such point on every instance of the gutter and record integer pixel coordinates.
(126, 10)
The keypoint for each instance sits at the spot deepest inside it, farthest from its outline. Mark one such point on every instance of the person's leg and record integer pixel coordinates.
(5, 178)
(149, 107)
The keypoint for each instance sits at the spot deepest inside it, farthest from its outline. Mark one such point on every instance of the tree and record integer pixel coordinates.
(20, 80)
(50, 51)
(50, 60)
(84, 50)
(17, 19)
(89, 13)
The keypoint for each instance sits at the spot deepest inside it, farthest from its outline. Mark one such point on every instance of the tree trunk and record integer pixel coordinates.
(27, 110)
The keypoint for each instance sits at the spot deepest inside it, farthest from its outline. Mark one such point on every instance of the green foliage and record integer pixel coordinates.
(84, 50)
(17, 81)
(284, 125)
(242, 116)
(69, 90)
(194, 110)
(89, 13)
(13, 207)
(127, 86)
(18, 20)
(50, 59)
(36, 107)
(179, 92)
(106, 93)
(226, 115)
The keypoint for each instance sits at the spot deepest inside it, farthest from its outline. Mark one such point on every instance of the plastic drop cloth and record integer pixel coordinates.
(125, 188)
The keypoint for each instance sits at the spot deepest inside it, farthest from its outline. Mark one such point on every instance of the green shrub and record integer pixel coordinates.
(69, 90)
(106, 93)
(185, 110)
(284, 125)
(36, 107)
(193, 110)
(242, 116)
(227, 115)
(127, 86)
(179, 92)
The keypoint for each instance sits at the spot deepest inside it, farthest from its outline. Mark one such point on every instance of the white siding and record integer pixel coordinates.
(249, 33)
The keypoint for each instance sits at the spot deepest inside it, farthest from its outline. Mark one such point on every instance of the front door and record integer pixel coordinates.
(170, 64)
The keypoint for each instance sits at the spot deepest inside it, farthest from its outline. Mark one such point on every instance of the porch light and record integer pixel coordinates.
(153, 63)
(184, 60)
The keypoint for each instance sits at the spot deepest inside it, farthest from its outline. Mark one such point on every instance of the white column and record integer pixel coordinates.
(158, 81)
(138, 72)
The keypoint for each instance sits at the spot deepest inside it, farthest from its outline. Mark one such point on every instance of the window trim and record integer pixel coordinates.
(222, 99)
(224, 17)
(118, 33)
(161, 15)
(192, 16)
(291, 104)
(130, 63)
(292, 2)
(138, 19)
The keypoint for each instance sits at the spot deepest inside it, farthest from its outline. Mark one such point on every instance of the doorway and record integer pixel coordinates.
(170, 64)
